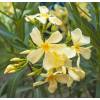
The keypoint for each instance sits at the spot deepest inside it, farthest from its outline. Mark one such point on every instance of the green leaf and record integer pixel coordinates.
(14, 82)
(98, 89)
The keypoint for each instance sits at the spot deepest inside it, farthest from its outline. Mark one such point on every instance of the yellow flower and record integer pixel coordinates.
(59, 11)
(52, 79)
(79, 41)
(48, 47)
(43, 16)
(76, 73)
(10, 68)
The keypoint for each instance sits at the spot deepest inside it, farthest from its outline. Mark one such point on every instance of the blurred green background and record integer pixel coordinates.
(14, 38)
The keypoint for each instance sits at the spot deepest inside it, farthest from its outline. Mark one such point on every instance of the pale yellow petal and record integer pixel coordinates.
(53, 60)
(58, 48)
(42, 19)
(76, 35)
(76, 73)
(43, 9)
(73, 74)
(55, 37)
(48, 62)
(36, 36)
(62, 78)
(68, 62)
(52, 86)
(81, 73)
(85, 52)
(84, 40)
(69, 52)
(69, 81)
(54, 20)
(63, 69)
(35, 55)
(31, 17)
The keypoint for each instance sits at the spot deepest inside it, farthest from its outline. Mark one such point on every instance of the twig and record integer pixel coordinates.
(29, 65)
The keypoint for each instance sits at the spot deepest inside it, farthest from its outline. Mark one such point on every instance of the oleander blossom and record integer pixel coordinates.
(50, 48)
(53, 78)
(43, 16)
(79, 41)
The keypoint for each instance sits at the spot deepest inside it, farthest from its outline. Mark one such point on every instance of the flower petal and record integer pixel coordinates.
(58, 48)
(85, 52)
(54, 20)
(52, 86)
(61, 78)
(53, 60)
(31, 17)
(43, 9)
(73, 74)
(35, 55)
(42, 19)
(69, 81)
(69, 52)
(36, 36)
(84, 40)
(81, 73)
(76, 35)
(48, 62)
(55, 37)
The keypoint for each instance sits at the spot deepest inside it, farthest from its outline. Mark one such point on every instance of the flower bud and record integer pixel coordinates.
(25, 52)
(10, 69)
(15, 59)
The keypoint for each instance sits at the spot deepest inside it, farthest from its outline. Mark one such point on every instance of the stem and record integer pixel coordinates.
(29, 65)
(78, 61)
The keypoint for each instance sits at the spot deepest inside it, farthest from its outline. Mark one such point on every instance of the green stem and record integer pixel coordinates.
(29, 65)
(78, 61)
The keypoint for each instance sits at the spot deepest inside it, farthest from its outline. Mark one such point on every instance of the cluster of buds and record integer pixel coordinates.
(16, 64)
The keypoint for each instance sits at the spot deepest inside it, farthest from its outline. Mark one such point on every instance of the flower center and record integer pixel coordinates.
(59, 60)
(51, 77)
(45, 15)
(77, 48)
(45, 46)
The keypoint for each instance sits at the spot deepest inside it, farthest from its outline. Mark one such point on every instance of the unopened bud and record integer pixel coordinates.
(10, 69)
(15, 59)
(25, 52)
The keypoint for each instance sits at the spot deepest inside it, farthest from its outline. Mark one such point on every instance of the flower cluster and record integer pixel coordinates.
(56, 54)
